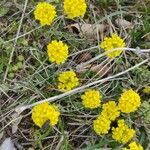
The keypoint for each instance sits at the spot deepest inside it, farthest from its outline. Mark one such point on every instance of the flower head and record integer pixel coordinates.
(57, 51)
(122, 133)
(135, 146)
(129, 101)
(45, 13)
(91, 98)
(74, 8)
(101, 125)
(146, 90)
(112, 42)
(67, 80)
(110, 110)
(44, 112)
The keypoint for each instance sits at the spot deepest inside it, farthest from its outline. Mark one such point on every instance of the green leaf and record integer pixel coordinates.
(3, 11)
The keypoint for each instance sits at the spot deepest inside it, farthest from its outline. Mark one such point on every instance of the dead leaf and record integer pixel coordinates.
(84, 68)
(84, 57)
(88, 30)
(16, 122)
(123, 23)
(99, 69)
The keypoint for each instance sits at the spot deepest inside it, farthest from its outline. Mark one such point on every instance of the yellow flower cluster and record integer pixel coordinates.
(67, 80)
(57, 51)
(45, 13)
(112, 42)
(110, 110)
(109, 113)
(122, 133)
(146, 90)
(91, 98)
(134, 146)
(44, 112)
(129, 101)
(101, 125)
(74, 8)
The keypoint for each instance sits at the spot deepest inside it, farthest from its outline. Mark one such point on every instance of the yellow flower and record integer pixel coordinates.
(91, 99)
(122, 133)
(146, 90)
(112, 42)
(67, 80)
(129, 101)
(53, 114)
(101, 125)
(45, 13)
(57, 51)
(44, 112)
(74, 8)
(110, 110)
(135, 146)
